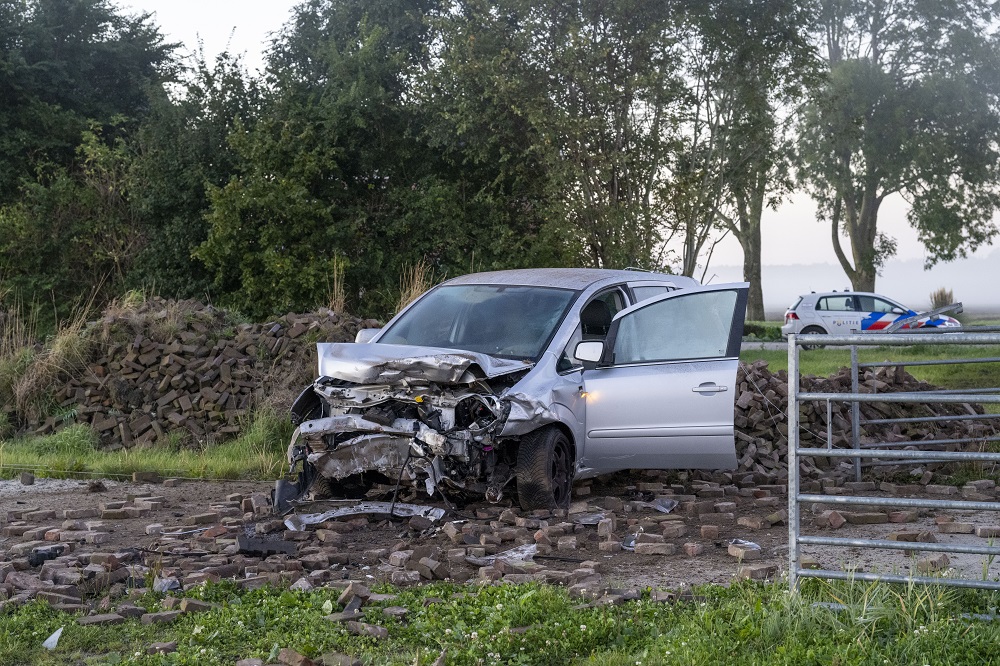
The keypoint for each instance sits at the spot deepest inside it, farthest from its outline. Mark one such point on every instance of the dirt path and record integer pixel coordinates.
(689, 545)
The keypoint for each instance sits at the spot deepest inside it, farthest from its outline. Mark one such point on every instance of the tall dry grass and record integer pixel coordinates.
(414, 280)
(337, 297)
(942, 297)
(65, 355)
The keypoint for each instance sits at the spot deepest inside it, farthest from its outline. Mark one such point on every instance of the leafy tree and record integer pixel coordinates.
(322, 168)
(576, 103)
(180, 150)
(72, 236)
(748, 63)
(909, 105)
(65, 63)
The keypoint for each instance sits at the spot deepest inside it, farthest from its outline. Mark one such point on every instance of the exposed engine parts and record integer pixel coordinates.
(412, 430)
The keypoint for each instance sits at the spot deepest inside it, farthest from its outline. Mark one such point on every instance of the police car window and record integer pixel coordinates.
(872, 304)
(835, 303)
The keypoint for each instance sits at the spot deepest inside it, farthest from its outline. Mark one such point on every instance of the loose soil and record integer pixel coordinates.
(620, 569)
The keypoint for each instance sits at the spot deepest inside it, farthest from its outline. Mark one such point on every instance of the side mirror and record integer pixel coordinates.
(589, 353)
(366, 335)
(899, 311)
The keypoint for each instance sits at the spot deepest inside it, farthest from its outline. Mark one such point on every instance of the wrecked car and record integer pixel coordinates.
(519, 382)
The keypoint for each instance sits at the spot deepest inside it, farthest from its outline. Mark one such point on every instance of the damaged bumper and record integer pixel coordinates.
(414, 416)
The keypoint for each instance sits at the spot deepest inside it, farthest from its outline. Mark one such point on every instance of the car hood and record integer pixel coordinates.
(372, 363)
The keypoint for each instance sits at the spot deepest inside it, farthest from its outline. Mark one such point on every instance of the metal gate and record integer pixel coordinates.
(886, 452)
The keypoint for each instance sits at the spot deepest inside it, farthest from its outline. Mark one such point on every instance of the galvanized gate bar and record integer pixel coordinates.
(907, 502)
(793, 461)
(933, 419)
(891, 364)
(982, 456)
(894, 578)
(927, 397)
(900, 545)
(896, 339)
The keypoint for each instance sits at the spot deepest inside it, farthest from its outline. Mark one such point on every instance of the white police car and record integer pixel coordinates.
(846, 312)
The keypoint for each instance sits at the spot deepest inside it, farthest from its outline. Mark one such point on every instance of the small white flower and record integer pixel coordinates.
(583, 627)
(197, 629)
(499, 606)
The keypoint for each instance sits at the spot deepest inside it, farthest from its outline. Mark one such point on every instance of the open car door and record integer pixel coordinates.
(662, 396)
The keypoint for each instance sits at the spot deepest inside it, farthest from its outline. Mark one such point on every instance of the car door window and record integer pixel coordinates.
(836, 304)
(609, 303)
(686, 327)
(874, 304)
(645, 292)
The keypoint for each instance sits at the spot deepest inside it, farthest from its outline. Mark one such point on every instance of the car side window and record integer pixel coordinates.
(835, 304)
(595, 320)
(872, 304)
(649, 291)
(687, 327)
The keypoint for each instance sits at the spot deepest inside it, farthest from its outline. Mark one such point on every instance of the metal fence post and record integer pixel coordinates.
(793, 463)
(855, 413)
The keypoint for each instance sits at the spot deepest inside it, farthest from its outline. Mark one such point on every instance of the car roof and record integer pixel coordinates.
(568, 278)
(820, 294)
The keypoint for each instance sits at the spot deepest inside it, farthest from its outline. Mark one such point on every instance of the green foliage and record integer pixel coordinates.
(910, 105)
(181, 150)
(66, 63)
(72, 236)
(762, 330)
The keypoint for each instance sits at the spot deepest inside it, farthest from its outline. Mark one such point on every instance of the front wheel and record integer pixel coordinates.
(812, 330)
(544, 470)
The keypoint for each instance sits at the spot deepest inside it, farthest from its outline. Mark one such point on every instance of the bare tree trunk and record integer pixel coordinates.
(750, 241)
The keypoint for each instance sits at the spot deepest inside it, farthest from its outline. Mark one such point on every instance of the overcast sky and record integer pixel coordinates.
(790, 235)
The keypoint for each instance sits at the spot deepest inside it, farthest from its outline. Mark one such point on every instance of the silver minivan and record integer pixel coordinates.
(521, 381)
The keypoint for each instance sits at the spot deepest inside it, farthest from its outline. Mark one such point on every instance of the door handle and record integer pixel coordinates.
(709, 388)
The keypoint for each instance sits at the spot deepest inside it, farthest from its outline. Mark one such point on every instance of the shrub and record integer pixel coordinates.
(941, 298)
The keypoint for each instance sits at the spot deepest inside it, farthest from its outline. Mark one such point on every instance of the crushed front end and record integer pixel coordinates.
(421, 417)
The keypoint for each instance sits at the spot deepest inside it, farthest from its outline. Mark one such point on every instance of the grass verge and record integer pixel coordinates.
(827, 623)
(257, 454)
(824, 362)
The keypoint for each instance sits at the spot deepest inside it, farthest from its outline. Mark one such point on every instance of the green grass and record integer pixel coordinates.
(745, 623)
(827, 361)
(257, 454)
(762, 330)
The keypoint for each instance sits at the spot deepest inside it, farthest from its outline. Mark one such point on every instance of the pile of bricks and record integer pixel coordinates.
(761, 421)
(140, 387)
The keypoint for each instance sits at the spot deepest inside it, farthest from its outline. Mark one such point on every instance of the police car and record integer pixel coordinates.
(846, 312)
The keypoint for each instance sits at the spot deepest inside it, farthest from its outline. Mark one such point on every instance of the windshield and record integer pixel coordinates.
(500, 320)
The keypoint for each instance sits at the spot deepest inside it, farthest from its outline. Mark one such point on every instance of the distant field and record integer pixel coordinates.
(965, 376)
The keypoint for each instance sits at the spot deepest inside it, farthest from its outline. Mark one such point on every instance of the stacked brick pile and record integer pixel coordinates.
(184, 372)
(762, 425)
(186, 368)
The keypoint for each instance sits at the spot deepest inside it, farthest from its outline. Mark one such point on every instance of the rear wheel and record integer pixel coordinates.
(544, 470)
(812, 330)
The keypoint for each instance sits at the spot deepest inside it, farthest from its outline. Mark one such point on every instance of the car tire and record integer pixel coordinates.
(812, 330)
(544, 470)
